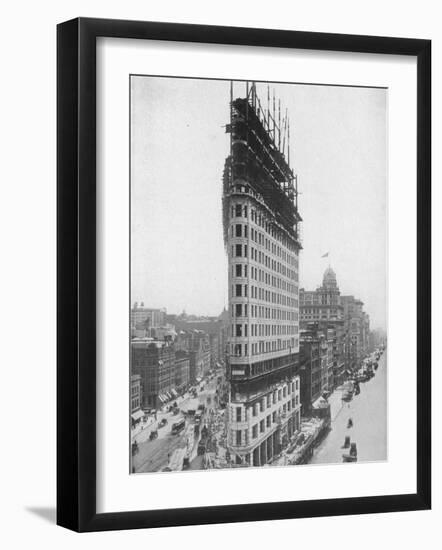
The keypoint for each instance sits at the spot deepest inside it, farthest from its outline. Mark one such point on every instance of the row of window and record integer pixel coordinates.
(271, 280)
(274, 265)
(241, 270)
(262, 294)
(318, 300)
(317, 310)
(240, 250)
(240, 210)
(260, 427)
(241, 330)
(258, 348)
(242, 310)
(316, 316)
(270, 399)
(258, 293)
(262, 312)
(259, 219)
(242, 231)
(135, 403)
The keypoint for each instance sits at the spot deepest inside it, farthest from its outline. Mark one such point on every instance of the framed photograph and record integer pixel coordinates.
(243, 274)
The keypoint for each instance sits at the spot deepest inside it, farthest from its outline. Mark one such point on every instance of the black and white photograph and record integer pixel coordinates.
(221, 217)
(258, 274)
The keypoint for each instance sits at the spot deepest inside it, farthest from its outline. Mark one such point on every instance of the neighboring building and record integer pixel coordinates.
(197, 344)
(339, 368)
(224, 335)
(199, 364)
(357, 330)
(365, 333)
(164, 332)
(155, 363)
(322, 304)
(311, 360)
(182, 370)
(321, 362)
(372, 340)
(145, 318)
(141, 333)
(214, 327)
(135, 399)
(328, 379)
(215, 356)
(322, 308)
(195, 366)
(181, 342)
(262, 242)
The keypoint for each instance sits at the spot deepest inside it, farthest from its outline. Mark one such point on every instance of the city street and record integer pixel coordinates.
(153, 456)
(368, 410)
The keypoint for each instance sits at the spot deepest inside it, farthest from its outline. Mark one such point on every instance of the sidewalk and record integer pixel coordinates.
(140, 427)
(336, 403)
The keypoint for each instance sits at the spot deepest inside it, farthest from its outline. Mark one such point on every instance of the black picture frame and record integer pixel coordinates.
(77, 287)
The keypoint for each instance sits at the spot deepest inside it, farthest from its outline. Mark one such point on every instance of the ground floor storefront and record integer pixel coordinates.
(265, 451)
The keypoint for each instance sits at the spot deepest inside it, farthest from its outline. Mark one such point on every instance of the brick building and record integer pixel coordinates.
(154, 362)
(135, 399)
(357, 331)
(182, 370)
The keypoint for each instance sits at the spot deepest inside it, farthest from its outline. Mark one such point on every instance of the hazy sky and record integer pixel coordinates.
(179, 145)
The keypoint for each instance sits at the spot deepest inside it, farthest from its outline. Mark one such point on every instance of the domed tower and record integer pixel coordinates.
(329, 296)
(329, 279)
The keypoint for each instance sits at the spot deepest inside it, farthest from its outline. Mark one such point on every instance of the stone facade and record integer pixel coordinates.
(262, 244)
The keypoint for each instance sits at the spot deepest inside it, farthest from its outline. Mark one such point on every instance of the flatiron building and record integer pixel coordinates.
(261, 235)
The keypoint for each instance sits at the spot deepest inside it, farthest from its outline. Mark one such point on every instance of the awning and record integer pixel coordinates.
(137, 415)
(174, 393)
(161, 398)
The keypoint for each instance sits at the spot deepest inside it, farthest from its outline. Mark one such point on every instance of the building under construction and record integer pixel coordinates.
(261, 224)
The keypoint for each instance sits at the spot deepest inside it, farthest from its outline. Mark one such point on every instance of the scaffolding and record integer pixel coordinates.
(260, 155)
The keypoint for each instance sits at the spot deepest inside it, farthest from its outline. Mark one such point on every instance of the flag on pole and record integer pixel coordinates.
(325, 255)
